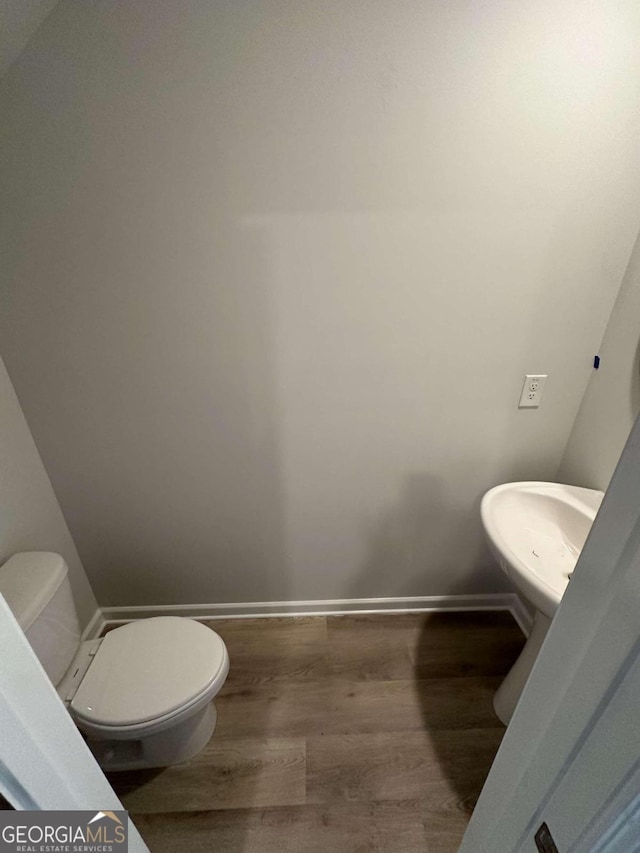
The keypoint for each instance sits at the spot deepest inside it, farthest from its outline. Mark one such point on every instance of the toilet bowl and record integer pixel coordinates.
(143, 694)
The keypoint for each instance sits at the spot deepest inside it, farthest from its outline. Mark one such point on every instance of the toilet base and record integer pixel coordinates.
(174, 745)
(508, 694)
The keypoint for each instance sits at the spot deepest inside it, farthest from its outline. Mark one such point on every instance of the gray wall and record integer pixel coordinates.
(275, 271)
(612, 400)
(19, 19)
(30, 516)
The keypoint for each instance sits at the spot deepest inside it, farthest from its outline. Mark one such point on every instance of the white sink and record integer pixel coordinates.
(536, 532)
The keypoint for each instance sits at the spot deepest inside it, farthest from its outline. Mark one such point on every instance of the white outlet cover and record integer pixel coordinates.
(532, 389)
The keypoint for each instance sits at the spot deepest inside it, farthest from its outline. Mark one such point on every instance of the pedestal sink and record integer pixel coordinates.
(536, 532)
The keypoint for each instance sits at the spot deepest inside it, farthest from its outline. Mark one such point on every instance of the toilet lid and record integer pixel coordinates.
(148, 669)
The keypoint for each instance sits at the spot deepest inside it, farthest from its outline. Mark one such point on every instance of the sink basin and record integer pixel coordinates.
(536, 532)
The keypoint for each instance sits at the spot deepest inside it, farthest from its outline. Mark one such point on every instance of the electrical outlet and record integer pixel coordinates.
(532, 389)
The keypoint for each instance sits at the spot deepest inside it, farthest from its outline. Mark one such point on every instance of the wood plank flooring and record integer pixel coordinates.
(345, 733)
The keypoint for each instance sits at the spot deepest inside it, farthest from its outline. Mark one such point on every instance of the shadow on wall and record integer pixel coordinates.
(411, 546)
(189, 507)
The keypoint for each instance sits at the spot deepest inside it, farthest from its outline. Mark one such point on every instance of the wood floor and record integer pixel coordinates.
(345, 733)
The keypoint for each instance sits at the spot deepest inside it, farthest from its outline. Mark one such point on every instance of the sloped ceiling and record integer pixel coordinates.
(19, 19)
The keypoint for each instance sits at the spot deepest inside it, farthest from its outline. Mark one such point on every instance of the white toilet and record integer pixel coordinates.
(142, 695)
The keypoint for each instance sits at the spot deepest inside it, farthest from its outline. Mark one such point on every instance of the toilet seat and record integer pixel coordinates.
(147, 673)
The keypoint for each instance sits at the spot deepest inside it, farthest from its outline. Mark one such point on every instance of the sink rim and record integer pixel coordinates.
(536, 589)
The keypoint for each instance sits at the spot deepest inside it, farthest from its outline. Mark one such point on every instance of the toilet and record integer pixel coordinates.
(142, 695)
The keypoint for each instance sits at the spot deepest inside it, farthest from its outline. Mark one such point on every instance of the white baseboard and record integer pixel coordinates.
(522, 615)
(95, 626)
(243, 610)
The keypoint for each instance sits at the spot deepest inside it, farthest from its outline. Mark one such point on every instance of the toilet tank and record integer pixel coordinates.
(36, 587)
